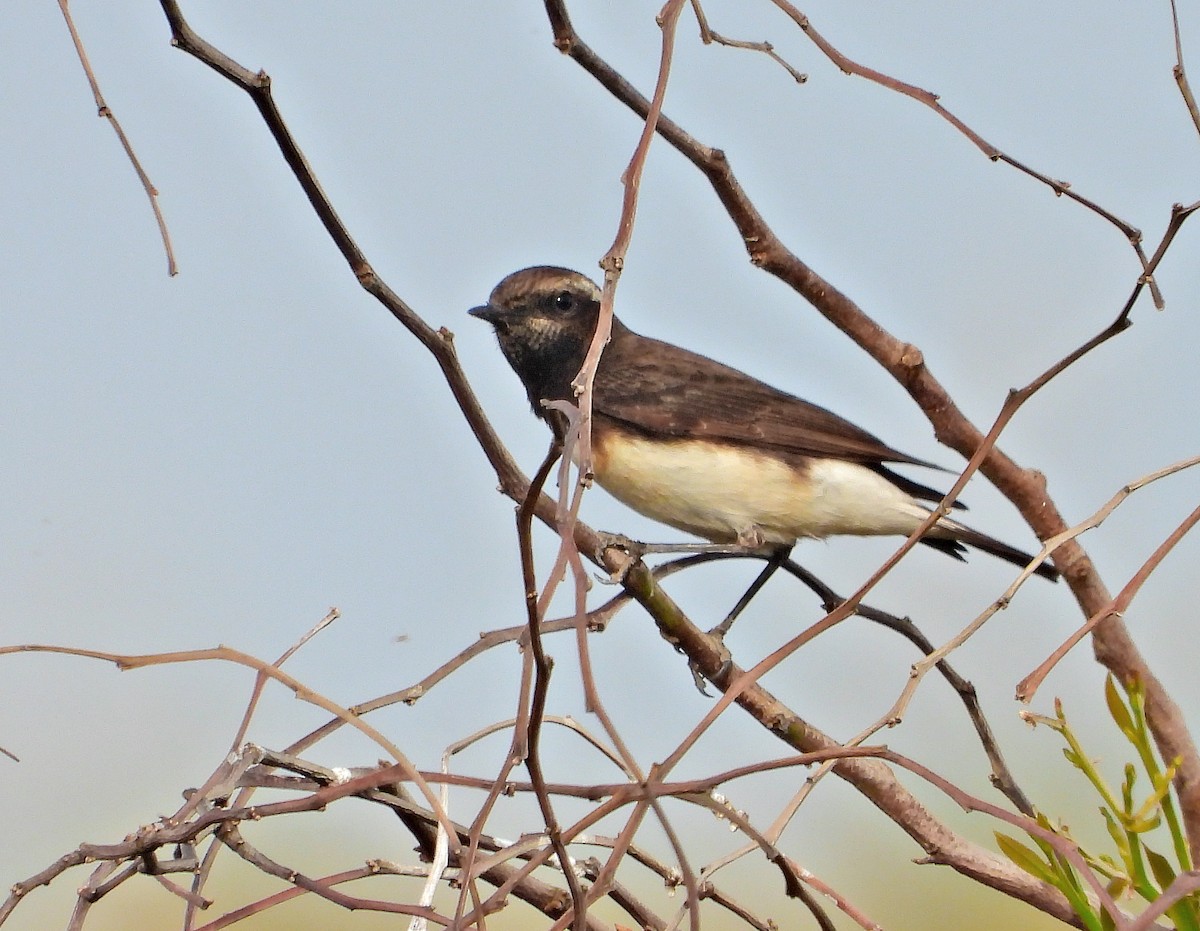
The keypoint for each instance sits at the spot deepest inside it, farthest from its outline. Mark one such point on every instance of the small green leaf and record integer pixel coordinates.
(1118, 835)
(1185, 913)
(1027, 859)
(1116, 708)
(1160, 866)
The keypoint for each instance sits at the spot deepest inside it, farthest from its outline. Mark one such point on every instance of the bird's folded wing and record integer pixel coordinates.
(663, 389)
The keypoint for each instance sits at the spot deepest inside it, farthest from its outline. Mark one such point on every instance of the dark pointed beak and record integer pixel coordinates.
(489, 312)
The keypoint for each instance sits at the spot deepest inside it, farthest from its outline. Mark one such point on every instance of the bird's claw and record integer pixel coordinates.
(751, 537)
(722, 672)
(618, 541)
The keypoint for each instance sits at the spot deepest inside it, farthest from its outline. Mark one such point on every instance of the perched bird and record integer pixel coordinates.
(704, 447)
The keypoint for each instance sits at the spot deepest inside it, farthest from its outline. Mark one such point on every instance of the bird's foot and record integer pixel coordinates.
(751, 538)
(749, 543)
(618, 541)
(699, 678)
(778, 555)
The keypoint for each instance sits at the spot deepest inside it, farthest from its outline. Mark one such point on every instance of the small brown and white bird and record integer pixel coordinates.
(704, 447)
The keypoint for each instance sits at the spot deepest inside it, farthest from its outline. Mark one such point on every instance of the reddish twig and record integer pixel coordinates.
(1060, 188)
(1030, 684)
(541, 685)
(261, 679)
(708, 35)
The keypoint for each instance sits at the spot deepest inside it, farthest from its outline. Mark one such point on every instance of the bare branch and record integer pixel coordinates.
(709, 35)
(1180, 75)
(931, 100)
(1029, 685)
(105, 111)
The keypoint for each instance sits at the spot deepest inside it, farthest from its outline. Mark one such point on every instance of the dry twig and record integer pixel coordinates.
(105, 111)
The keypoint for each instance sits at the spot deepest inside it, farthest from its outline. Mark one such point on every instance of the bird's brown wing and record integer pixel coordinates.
(663, 389)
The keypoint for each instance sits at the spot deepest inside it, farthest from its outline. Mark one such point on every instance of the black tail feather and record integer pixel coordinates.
(953, 539)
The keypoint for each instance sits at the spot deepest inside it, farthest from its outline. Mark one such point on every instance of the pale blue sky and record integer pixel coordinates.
(219, 457)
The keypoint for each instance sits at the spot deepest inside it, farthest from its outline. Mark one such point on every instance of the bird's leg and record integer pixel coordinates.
(654, 549)
(778, 557)
(748, 544)
(638, 549)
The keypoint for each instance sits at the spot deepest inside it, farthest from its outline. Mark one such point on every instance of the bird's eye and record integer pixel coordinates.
(564, 300)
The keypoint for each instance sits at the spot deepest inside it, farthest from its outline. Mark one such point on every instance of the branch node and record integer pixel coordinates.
(911, 358)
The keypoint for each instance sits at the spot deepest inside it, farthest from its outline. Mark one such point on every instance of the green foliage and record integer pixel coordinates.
(1135, 869)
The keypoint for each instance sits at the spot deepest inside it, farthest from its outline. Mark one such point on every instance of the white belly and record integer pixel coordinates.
(719, 492)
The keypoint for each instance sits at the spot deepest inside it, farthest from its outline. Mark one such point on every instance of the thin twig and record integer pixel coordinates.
(931, 100)
(261, 679)
(1180, 75)
(1030, 684)
(232, 838)
(708, 35)
(541, 684)
(105, 111)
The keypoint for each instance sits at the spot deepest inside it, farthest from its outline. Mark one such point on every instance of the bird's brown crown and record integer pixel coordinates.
(533, 286)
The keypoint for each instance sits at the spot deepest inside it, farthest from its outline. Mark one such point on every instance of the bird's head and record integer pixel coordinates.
(544, 319)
